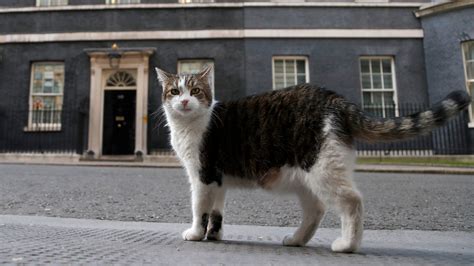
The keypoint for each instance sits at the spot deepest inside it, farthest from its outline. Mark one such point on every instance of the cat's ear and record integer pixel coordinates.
(162, 75)
(205, 72)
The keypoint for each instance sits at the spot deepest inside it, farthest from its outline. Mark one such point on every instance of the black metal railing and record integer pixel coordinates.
(42, 131)
(452, 138)
(64, 131)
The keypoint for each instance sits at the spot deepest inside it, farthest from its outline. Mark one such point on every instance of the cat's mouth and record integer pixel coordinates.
(185, 110)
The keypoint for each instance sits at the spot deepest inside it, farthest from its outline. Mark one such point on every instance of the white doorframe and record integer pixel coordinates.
(134, 62)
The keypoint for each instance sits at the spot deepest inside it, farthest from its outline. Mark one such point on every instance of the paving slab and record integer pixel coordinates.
(45, 240)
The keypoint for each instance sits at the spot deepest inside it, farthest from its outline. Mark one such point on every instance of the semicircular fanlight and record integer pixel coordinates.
(121, 79)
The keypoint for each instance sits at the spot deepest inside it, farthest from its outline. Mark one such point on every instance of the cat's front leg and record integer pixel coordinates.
(216, 220)
(202, 199)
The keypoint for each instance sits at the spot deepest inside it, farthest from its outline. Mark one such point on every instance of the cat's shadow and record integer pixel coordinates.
(324, 250)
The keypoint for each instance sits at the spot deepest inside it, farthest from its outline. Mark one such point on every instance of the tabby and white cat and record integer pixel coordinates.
(298, 140)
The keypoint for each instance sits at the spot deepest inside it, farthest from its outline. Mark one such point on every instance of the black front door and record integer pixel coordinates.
(119, 122)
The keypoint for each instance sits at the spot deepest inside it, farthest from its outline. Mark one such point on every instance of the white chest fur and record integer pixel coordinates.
(186, 139)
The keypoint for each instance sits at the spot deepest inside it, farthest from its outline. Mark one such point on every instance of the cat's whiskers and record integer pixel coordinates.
(161, 118)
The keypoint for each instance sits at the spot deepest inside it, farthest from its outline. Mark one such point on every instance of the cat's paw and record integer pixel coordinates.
(342, 245)
(214, 235)
(289, 240)
(193, 235)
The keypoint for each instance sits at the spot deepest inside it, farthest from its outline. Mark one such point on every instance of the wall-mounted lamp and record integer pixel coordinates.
(114, 57)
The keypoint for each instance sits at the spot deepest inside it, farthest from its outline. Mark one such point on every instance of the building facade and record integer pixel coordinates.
(77, 75)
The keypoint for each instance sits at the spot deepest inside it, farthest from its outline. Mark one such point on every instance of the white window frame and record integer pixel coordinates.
(51, 3)
(205, 62)
(284, 58)
(43, 126)
(394, 81)
(468, 81)
(122, 2)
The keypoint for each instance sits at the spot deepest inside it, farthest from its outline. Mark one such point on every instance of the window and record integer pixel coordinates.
(195, 66)
(120, 2)
(289, 71)
(468, 50)
(379, 94)
(46, 96)
(51, 2)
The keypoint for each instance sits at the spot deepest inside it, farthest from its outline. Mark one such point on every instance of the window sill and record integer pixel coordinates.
(42, 128)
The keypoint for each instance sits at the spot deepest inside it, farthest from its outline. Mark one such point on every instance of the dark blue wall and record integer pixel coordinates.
(242, 66)
(207, 18)
(444, 34)
(334, 63)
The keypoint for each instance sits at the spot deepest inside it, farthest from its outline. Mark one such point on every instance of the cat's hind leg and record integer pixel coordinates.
(313, 212)
(202, 199)
(214, 229)
(331, 180)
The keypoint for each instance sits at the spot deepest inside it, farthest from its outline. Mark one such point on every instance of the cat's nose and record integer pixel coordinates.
(185, 102)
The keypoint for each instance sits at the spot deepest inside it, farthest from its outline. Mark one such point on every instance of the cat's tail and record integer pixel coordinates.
(373, 129)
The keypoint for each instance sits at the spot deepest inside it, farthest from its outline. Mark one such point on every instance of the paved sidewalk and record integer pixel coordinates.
(39, 240)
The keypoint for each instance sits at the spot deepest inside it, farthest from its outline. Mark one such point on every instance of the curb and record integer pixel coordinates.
(363, 168)
(384, 168)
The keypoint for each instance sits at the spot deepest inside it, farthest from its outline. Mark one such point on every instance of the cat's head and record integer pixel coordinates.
(186, 95)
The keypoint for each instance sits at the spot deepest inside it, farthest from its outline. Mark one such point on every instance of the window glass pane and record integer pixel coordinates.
(469, 50)
(42, 2)
(470, 70)
(366, 81)
(366, 98)
(377, 81)
(364, 66)
(290, 72)
(386, 66)
(471, 91)
(387, 81)
(301, 67)
(388, 99)
(376, 66)
(377, 98)
(279, 80)
(278, 67)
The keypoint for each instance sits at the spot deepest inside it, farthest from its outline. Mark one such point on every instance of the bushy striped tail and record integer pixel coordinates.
(374, 129)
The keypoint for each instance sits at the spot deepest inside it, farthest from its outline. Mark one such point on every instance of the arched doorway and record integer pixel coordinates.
(119, 113)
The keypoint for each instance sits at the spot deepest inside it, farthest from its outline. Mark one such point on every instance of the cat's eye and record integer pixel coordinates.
(174, 92)
(195, 91)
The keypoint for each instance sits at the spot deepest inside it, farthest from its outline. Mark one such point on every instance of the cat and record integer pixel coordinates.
(294, 140)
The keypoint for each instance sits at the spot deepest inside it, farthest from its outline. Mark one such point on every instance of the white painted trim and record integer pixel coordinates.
(212, 34)
(431, 9)
(206, 5)
(134, 63)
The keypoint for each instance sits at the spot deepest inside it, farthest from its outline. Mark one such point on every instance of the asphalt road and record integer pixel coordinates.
(392, 201)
